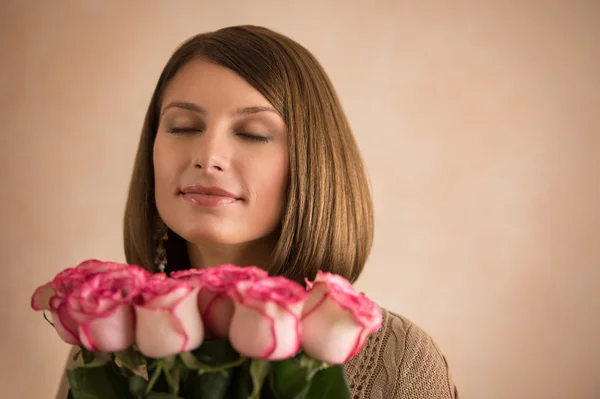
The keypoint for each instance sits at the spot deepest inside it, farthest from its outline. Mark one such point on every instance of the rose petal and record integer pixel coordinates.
(40, 300)
(158, 276)
(337, 319)
(364, 310)
(252, 332)
(63, 328)
(265, 330)
(217, 311)
(168, 299)
(316, 297)
(111, 332)
(163, 331)
(98, 266)
(331, 333)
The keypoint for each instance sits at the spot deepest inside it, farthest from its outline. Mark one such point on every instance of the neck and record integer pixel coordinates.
(247, 254)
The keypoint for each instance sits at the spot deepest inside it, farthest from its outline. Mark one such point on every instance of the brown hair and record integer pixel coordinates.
(327, 223)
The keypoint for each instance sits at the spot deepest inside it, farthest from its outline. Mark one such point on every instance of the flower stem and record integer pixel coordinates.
(76, 356)
(173, 379)
(205, 368)
(155, 375)
(47, 319)
(259, 370)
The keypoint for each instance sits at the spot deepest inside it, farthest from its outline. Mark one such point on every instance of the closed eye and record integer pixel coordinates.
(253, 137)
(180, 130)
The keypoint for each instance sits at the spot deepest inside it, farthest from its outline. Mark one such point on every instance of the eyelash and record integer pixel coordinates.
(180, 130)
(253, 137)
(246, 136)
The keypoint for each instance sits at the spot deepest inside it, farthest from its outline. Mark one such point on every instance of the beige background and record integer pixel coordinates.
(480, 126)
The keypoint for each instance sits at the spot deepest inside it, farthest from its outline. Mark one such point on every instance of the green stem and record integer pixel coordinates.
(205, 368)
(47, 319)
(155, 375)
(173, 379)
(176, 378)
(259, 370)
(271, 386)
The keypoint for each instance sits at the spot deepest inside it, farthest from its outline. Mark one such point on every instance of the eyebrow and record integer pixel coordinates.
(238, 112)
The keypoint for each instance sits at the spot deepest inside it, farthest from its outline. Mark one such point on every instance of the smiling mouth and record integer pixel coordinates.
(208, 199)
(212, 191)
(208, 196)
(204, 193)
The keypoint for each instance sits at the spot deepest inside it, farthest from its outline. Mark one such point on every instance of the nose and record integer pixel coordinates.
(212, 153)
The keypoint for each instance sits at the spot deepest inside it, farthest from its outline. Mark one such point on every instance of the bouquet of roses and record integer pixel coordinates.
(222, 332)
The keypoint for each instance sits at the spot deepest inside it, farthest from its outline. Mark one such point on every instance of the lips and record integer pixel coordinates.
(208, 196)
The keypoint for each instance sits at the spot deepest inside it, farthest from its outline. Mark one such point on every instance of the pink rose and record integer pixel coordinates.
(266, 321)
(89, 304)
(216, 306)
(102, 308)
(168, 319)
(159, 276)
(337, 320)
(189, 275)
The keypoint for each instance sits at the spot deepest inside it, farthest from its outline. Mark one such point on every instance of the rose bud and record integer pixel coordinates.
(216, 306)
(336, 320)
(266, 320)
(168, 319)
(102, 306)
(78, 296)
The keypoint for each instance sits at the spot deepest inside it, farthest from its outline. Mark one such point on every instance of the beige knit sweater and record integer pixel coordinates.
(400, 361)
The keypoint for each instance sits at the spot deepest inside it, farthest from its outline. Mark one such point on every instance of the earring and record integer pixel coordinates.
(162, 235)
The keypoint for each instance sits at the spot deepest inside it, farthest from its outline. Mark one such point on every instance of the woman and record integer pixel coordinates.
(246, 157)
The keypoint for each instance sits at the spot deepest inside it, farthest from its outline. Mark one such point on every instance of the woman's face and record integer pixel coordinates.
(220, 158)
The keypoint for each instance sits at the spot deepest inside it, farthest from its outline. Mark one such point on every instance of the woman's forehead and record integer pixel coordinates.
(209, 85)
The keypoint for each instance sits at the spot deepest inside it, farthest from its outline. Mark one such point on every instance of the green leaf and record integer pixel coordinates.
(290, 379)
(207, 385)
(83, 395)
(130, 358)
(137, 386)
(99, 359)
(240, 385)
(162, 395)
(329, 383)
(312, 365)
(98, 383)
(259, 369)
(215, 352)
(87, 355)
(93, 359)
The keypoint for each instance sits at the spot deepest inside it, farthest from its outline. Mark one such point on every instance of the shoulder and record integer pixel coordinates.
(400, 361)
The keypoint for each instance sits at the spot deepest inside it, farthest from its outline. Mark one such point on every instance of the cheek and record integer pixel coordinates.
(160, 167)
(166, 159)
(274, 180)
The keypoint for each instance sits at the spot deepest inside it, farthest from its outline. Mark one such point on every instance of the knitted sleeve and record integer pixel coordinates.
(423, 371)
(400, 361)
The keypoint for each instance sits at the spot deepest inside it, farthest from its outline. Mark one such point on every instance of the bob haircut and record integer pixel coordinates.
(327, 222)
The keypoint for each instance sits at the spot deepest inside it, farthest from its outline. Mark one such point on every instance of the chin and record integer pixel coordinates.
(212, 236)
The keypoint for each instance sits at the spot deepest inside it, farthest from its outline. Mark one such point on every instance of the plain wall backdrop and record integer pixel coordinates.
(479, 123)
